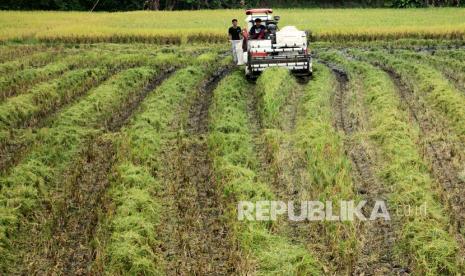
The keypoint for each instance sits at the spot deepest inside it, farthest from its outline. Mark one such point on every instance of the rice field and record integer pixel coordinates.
(131, 158)
(211, 26)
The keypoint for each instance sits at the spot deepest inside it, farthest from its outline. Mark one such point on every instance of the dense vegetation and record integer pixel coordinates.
(205, 26)
(129, 5)
(130, 158)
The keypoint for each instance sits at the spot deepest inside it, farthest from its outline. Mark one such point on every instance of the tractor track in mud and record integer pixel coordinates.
(453, 80)
(440, 152)
(288, 124)
(75, 211)
(74, 227)
(286, 173)
(377, 237)
(197, 241)
(120, 119)
(448, 73)
(14, 151)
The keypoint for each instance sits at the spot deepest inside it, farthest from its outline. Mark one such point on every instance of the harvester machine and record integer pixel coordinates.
(286, 47)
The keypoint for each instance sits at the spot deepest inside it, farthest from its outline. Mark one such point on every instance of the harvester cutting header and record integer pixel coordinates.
(265, 45)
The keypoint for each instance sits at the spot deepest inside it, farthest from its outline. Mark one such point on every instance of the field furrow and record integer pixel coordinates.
(200, 226)
(54, 152)
(377, 237)
(455, 54)
(285, 163)
(25, 110)
(400, 166)
(19, 116)
(237, 167)
(73, 225)
(427, 83)
(74, 220)
(138, 179)
(34, 109)
(20, 82)
(328, 168)
(443, 151)
(451, 68)
(33, 61)
(443, 144)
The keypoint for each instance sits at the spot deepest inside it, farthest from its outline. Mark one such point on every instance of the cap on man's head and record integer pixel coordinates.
(258, 20)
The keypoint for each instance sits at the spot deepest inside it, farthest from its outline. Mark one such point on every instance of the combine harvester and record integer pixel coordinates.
(284, 48)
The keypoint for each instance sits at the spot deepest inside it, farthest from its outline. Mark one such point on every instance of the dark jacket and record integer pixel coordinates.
(257, 32)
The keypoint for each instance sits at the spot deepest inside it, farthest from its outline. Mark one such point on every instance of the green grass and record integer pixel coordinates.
(423, 239)
(327, 164)
(171, 27)
(47, 97)
(273, 86)
(27, 185)
(235, 166)
(132, 226)
(428, 84)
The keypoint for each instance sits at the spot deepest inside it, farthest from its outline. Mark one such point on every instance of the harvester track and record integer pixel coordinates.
(286, 169)
(16, 147)
(13, 150)
(75, 214)
(377, 237)
(200, 242)
(120, 119)
(440, 151)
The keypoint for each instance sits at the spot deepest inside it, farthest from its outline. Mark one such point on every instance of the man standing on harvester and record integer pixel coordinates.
(235, 36)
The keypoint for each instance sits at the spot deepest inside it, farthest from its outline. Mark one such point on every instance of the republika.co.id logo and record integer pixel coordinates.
(319, 211)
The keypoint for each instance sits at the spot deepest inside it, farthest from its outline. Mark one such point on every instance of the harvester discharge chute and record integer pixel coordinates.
(287, 47)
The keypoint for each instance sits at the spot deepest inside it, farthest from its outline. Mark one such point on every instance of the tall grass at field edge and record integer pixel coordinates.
(206, 26)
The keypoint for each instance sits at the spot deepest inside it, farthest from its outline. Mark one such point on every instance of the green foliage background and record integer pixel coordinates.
(126, 5)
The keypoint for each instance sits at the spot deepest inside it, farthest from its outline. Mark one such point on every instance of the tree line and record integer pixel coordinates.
(128, 5)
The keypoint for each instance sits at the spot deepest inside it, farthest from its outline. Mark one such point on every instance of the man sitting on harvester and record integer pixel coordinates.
(258, 30)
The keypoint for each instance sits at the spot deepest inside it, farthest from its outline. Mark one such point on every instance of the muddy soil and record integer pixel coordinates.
(377, 237)
(78, 202)
(197, 236)
(121, 118)
(444, 153)
(14, 149)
